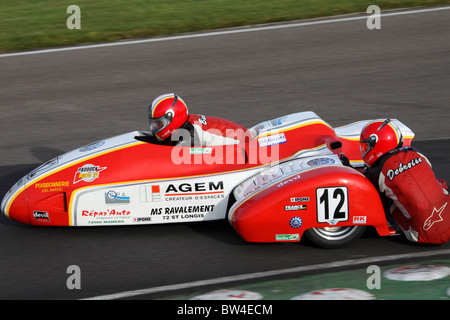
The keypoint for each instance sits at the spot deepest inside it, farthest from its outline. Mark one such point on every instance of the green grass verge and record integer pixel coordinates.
(354, 279)
(32, 24)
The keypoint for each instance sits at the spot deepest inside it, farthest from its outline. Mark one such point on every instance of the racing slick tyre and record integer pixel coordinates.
(334, 237)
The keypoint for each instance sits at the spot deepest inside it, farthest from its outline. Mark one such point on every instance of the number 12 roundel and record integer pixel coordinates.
(332, 204)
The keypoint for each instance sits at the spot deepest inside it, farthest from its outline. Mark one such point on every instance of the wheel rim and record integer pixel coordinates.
(335, 233)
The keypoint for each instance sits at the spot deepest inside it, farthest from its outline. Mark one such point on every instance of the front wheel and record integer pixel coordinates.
(334, 237)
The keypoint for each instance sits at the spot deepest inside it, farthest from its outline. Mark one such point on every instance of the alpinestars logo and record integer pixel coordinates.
(435, 217)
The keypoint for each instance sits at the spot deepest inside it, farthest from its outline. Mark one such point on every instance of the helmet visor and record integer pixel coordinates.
(364, 148)
(158, 124)
(368, 144)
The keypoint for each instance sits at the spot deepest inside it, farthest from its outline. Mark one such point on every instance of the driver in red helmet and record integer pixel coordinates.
(417, 201)
(171, 124)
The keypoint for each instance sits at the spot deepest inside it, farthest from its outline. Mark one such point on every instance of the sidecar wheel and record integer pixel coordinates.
(334, 237)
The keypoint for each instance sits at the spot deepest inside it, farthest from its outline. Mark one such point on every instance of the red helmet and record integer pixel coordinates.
(166, 114)
(378, 138)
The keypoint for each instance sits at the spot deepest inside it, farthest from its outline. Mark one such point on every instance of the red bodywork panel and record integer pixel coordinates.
(289, 207)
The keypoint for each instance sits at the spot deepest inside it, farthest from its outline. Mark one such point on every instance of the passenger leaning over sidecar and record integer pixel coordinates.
(418, 202)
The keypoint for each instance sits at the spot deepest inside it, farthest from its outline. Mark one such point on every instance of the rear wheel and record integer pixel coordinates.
(334, 237)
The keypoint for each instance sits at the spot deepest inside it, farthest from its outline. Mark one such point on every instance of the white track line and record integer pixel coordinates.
(224, 32)
(250, 276)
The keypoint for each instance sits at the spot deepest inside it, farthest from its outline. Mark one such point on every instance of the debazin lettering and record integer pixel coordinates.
(403, 167)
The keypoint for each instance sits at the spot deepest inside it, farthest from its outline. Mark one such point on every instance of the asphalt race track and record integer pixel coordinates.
(55, 102)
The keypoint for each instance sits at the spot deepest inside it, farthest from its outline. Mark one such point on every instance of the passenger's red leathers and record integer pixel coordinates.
(417, 201)
(200, 130)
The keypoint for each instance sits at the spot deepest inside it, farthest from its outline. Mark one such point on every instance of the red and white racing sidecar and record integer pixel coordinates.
(287, 179)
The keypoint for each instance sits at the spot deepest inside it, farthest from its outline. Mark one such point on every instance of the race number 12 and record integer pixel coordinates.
(332, 205)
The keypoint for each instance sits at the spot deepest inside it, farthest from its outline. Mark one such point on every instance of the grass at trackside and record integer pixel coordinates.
(31, 24)
(355, 279)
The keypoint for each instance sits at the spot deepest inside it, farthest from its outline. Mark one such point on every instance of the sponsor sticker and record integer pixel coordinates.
(271, 140)
(206, 150)
(106, 217)
(105, 213)
(51, 184)
(113, 197)
(183, 209)
(360, 219)
(295, 222)
(300, 199)
(203, 120)
(295, 207)
(159, 202)
(194, 188)
(92, 146)
(142, 219)
(87, 173)
(417, 273)
(282, 183)
(287, 237)
(320, 162)
(150, 193)
(41, 215)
